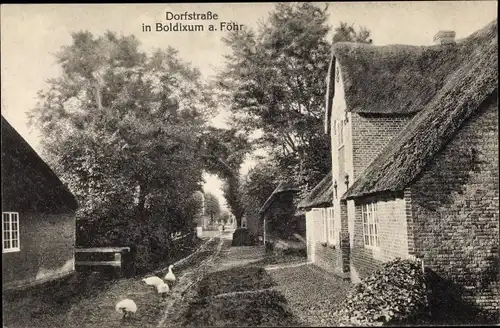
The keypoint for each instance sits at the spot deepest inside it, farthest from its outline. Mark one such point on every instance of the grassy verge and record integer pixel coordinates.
(264, 309)
(235, 280)
(88, 300)
(248, 300)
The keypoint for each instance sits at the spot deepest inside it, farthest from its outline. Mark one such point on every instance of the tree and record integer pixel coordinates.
(258, 185)
(212, 206)
(225, 217)
(346, 33)
(122, 129)
(225, 151)
(274, 81)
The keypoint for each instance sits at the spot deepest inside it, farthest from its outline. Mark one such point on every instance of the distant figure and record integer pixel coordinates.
(223, 228)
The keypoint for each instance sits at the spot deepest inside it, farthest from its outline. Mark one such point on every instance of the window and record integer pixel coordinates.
(341, 148)
(324, 226)
(370, 225)
(332, 229)
(10, 232)
(340, 134)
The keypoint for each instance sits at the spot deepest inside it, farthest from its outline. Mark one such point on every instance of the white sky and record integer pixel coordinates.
(30, 33)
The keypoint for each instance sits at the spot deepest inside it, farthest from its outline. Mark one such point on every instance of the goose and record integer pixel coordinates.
(170, 276)
(163, 289)
(126, 306)
(153, 281)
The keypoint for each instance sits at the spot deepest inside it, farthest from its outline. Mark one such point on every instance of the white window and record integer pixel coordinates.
(341, 148)
(10, 232)
(324, 219)
(370, 225)
(332, 229)
(340, 134)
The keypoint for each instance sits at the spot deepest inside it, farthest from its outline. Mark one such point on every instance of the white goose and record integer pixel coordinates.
(163, 289)
(153, 281)
(126, 306)
(170, 276)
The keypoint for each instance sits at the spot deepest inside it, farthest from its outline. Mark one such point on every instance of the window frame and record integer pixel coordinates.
(324, 220)
(332, 229)
(10, 230)
(370, 222)
(340, 134)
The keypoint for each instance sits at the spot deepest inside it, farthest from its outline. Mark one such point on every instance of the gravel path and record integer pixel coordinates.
(311, 293)
(191, 276)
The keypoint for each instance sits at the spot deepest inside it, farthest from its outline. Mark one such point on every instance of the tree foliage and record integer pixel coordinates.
(258, 185)
(274, 82)
(122, 129)
(225, 216)
(225, 151)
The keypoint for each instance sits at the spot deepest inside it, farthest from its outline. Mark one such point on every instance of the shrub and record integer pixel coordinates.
(394, 294)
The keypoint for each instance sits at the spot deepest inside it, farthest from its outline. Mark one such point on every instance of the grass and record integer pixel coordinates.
(261, 306)
(87, 300)
(265, 309)
(235, 280)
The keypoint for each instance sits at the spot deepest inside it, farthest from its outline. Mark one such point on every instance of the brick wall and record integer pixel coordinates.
(370, 134)
(329, 258)
(47, 249)
(392, 232)
(456, 212)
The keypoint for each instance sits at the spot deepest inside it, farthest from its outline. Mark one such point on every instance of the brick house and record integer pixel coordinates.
(38, 216)
(414, 133)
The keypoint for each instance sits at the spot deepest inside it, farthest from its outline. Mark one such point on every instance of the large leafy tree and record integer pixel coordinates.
(122, 128)
(224, 151)
(274, 82)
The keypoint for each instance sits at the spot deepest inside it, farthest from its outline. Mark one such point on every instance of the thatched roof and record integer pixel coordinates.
(28, 183)
(471, 80)
(392, 79)
(320, 196)
(282, 188)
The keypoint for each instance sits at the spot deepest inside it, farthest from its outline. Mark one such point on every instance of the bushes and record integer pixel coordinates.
(241, 237)
(394, 294)
(149, 239)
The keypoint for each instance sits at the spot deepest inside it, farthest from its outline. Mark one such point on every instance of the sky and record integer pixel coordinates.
(32, 33)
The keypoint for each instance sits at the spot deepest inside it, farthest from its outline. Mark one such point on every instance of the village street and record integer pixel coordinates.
(218, 285)
(311, 167)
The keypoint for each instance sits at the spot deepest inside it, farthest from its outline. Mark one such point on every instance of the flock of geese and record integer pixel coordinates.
(128, 306)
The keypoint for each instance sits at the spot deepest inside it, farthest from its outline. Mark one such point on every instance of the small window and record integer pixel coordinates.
(10, 232)
(370, 225)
